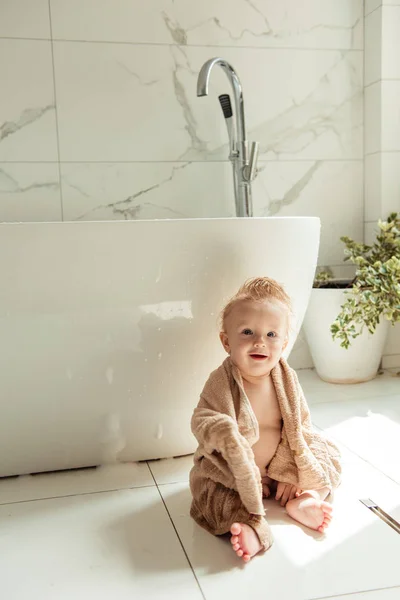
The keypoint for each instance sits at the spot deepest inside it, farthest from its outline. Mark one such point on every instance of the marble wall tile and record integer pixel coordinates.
(391, 43)
(154, 190)
(331, 190)
(370, 5)
(392, 362)
(29, 192)
(373, 47)
(122, 102)
(130, 103)
(382, 185)
(392, 346)
(372, 186)
(370, 230)
(27, 110)
(373, 118)
(390, 189)
(322, 24)
(25, 19)
(381, 44)
(390, 99)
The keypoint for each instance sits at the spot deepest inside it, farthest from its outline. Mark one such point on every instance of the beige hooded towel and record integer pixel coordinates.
(225, 481)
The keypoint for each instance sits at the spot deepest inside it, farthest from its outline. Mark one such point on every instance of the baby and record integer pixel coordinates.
(254, 430)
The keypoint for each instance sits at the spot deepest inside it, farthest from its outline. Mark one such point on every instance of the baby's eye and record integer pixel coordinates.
(271, 334)
(247, 332)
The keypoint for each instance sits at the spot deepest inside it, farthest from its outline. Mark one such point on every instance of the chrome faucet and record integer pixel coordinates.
(244, 163)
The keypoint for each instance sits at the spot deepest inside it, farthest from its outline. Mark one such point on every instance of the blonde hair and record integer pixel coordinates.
(257, 289)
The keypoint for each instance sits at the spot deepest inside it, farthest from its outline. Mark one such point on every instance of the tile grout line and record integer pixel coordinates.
(56, 113)
(120, 489)
(194, 161)
(350, 594)
(177, 534)
(168, 44)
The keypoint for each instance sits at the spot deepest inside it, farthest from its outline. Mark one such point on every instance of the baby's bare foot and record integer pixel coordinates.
(245, 541)
(310, 510)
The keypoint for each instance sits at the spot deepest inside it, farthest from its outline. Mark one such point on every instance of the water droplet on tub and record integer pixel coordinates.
(158, 328)
(159, 355)
(159, 433)
(145, 360)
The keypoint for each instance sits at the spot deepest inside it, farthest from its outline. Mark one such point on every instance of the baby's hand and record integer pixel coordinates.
(266, 481)
(286, 492)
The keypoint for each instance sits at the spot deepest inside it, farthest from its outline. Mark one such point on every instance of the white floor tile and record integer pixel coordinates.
(318, 391)
(108, 545)
(388, 594)
(368, 426)
(358, 553)
(71, 483)
(59, 540)
(171, 470)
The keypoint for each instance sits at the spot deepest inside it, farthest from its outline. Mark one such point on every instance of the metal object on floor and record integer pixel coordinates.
(381, 514)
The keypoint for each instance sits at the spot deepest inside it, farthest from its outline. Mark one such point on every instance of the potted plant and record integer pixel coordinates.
(347, 322)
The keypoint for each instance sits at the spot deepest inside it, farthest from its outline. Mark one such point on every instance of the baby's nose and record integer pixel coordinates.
(260, 341)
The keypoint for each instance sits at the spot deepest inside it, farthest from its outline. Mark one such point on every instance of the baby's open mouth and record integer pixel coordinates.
(258, 356)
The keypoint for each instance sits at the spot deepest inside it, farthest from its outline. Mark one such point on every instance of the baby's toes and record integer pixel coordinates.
(236, 529)
(325, 523)
(234, 540)
(240, 553)
(236, 547)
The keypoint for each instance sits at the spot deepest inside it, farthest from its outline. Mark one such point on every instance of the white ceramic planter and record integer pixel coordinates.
(360, 362)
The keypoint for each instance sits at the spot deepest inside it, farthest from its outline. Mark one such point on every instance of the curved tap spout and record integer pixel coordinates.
(202, 90)
(244, 166)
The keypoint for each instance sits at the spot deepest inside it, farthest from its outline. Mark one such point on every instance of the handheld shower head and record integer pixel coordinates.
(202, 89)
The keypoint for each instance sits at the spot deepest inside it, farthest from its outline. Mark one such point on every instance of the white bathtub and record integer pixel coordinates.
(109, 329)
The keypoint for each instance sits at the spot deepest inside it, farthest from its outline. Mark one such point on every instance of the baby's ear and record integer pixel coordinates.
(224, 340)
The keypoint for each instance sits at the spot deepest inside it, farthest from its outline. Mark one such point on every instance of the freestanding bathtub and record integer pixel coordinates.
(109, 329)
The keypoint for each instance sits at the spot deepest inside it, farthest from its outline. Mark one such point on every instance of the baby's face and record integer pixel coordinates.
(256, 333)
